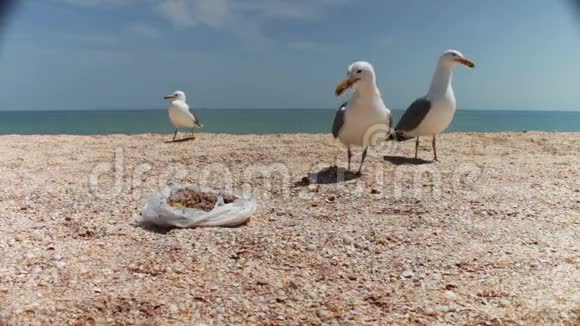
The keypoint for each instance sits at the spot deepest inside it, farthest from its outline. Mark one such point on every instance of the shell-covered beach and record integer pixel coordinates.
(488, 235)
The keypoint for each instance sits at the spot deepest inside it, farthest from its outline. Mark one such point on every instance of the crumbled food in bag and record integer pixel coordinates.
(196, 200)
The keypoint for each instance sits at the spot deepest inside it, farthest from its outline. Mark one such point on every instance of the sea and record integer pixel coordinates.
(261, 121)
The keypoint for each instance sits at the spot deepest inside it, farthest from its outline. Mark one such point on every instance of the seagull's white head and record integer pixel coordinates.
(358, 74)
(177, 95)
(450, 58)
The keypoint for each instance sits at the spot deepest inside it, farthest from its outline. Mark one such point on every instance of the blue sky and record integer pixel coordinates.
(127, 54)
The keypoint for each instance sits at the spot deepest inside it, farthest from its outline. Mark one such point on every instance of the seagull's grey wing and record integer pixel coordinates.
(338, 120)
(197, 122)
(414, 115)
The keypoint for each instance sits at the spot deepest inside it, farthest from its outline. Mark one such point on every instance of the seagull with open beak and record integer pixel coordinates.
(364, 120)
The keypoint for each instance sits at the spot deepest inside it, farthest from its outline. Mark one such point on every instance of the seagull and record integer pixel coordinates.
(358, 121)
(431, 114)
(180, 114)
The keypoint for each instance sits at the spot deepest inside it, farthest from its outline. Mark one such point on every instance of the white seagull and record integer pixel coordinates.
(365, 118)
(180, 114)
(431, 114)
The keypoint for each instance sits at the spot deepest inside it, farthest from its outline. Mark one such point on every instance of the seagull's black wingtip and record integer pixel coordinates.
(398, 136)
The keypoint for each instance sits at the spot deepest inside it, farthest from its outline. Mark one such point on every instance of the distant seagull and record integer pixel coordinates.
(180, 114)
(431, 115)
(364, 118)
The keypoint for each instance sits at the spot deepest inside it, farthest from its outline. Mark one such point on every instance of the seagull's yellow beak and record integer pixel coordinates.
(169, 97)
(343, 85)
(466, 62)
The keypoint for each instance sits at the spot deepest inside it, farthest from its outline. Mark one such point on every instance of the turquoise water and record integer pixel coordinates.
(260, 121)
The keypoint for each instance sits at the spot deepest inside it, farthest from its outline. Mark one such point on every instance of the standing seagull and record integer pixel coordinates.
(358, 121)
(431, 115)
(180, 114)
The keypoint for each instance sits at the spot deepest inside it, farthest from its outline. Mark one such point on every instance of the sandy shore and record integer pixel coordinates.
(487, 235)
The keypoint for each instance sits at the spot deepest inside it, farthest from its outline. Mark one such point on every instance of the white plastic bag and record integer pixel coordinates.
(158, 211)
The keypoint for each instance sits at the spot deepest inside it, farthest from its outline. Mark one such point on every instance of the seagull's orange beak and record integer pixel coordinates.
(343, 85)
(466, 62)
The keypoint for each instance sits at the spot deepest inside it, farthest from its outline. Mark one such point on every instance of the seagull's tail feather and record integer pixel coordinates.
(398, 136)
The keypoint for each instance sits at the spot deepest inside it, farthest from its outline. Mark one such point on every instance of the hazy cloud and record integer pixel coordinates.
(144, 30)
(215, 13)
(187, 13)
(303, 45)
(297, 9)
(243, 18)
(94, 38)
(98, 3)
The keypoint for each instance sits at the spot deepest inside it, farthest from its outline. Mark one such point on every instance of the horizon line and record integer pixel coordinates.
(271, 109)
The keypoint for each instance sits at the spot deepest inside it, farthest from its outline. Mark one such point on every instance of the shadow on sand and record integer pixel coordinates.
(401, 160)
(329, 175)
(156, 229)
(164, 230)
(182, 140)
